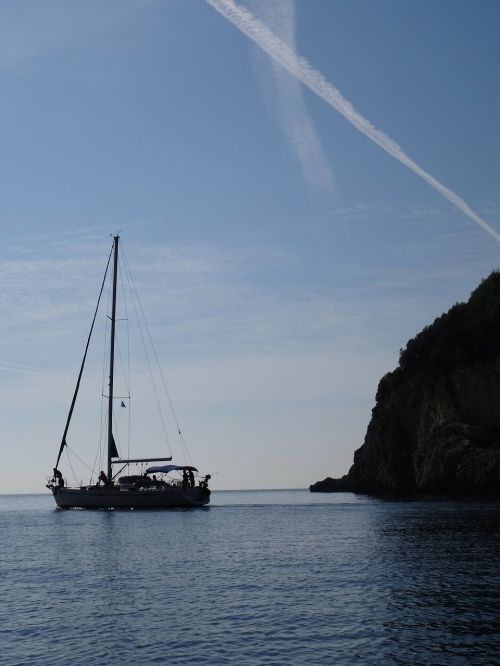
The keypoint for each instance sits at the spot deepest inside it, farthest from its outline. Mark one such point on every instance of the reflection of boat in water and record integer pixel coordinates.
(155, 487)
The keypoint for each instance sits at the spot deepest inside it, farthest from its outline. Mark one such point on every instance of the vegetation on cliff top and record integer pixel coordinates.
(468, 331)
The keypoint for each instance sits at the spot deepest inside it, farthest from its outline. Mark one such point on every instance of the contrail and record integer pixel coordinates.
(288, 102)
(301, 68)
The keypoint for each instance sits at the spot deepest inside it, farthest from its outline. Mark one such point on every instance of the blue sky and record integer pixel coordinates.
(283, 257)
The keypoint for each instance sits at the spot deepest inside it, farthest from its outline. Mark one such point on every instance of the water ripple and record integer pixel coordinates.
(268, 578)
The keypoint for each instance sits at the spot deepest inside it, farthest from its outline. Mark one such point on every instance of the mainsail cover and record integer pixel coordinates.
(165, 469)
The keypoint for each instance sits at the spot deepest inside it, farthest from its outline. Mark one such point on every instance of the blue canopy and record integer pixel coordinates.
(165, 469)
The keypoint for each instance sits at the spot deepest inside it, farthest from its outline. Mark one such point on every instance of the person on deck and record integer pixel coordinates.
(59, 477)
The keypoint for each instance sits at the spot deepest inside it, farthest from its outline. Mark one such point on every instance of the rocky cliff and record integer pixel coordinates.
(435, 427)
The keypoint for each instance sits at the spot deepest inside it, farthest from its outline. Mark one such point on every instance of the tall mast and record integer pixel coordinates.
(111, 443)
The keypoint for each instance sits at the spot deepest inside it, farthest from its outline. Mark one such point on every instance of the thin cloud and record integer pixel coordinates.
(301, 68)
(15, 367)
(31, 28)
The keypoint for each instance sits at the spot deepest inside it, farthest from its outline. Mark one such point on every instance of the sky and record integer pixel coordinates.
(283, 258)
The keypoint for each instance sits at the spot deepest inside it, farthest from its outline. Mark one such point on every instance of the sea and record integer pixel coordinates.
(271, 577)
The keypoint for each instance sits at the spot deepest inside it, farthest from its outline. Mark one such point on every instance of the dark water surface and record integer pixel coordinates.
(262, 577)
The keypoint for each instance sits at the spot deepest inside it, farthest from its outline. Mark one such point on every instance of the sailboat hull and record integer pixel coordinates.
(102, 497)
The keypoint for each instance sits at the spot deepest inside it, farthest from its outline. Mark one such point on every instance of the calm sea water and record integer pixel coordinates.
(263, 577)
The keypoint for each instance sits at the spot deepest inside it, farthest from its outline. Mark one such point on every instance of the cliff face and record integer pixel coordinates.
(433, 432)
(435, 427)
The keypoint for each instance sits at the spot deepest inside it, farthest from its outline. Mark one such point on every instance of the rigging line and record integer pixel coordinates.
(105, 344)
(157, 398)
(128, 378)
(185, 447)
(71, 466)
(129, 382)
(122, 366)
(98, 455)
(135, 293)
(78, 458)
(63, 441)
(155, 354)
(129, 433)
(100, 452)
(117, 339)
(184, 451)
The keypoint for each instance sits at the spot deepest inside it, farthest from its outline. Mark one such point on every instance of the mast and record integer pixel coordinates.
(111, 442)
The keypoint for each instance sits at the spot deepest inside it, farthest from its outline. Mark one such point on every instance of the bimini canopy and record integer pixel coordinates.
(165, 469)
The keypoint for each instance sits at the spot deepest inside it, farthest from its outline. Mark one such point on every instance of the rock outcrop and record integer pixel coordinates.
(435, 427)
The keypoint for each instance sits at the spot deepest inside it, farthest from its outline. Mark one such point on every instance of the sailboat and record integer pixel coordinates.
(132, 491)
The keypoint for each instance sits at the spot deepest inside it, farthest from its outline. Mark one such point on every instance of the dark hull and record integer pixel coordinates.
(101, 497)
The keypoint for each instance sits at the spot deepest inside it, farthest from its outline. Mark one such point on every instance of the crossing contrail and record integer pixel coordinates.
(287, 101)
(301, 68)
